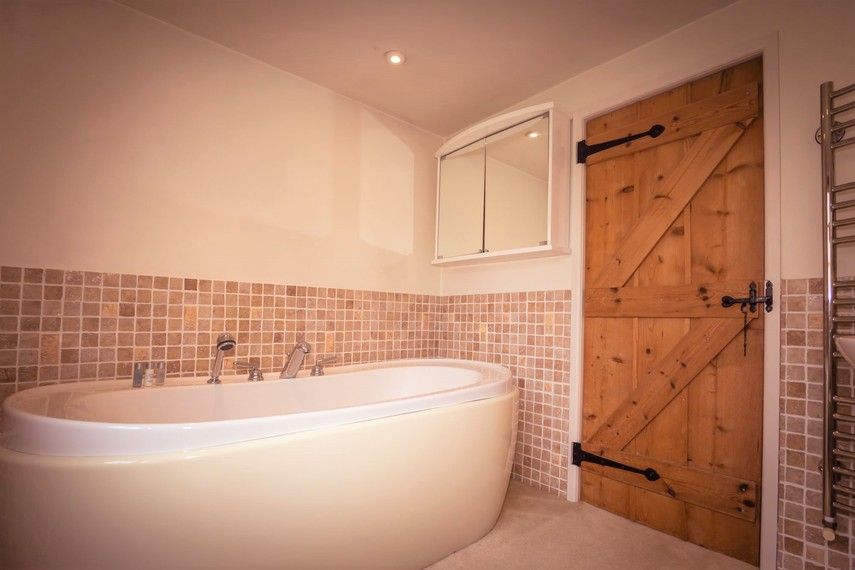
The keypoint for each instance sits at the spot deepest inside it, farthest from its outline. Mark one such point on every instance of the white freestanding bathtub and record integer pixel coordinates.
(389, 465)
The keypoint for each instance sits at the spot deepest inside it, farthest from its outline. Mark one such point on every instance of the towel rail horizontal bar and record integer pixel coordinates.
(843, 126)
(844, 400)
(843, 283)
(842, 91)
(841, 240)
(844, 507)
(843, 471)
(843, 108)
(843, 417)
(843, 143)
(844, 435)
(844, 454)
(843, 319)
(843, 205)
(843, 223)
(844, 489)
(842, 188)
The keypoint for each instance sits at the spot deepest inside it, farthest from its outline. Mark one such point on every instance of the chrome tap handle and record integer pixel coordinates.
(254, 373)
(318, 368)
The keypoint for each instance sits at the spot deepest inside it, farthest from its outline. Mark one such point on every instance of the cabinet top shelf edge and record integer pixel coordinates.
(505, 255)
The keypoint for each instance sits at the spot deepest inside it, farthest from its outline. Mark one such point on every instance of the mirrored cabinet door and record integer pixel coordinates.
(461, 204)
(517, 186)
(503, 189)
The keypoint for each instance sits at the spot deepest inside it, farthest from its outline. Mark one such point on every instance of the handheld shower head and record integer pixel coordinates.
(225, 342)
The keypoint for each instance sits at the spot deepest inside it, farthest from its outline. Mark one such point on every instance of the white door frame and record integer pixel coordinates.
(767, 46)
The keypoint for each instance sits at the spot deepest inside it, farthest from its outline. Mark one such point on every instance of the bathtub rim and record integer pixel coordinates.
(31, 433)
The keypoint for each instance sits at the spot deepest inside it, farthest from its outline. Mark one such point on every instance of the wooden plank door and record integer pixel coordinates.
(673, 380)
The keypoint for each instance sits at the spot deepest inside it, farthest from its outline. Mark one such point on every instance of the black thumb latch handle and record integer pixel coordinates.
(580, 455)
(752, 300)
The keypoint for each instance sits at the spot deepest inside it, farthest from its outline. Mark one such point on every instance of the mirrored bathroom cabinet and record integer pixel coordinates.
(503, 189)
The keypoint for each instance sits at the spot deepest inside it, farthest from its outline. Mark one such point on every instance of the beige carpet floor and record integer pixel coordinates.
(538, 531)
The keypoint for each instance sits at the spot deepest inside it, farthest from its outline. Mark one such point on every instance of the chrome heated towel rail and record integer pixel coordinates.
(838, 166)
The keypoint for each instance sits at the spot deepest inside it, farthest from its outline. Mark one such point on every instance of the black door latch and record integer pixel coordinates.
(752, 300)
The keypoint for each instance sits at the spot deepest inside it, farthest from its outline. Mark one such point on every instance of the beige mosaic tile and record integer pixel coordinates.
(800, 542)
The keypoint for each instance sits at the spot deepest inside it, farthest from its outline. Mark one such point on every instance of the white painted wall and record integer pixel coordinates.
(127, 145)
(814, 42)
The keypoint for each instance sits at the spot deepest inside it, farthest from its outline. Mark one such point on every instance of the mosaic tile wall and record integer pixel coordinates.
(73, 325)
(58, 326)
(800, 542)
(530, 334)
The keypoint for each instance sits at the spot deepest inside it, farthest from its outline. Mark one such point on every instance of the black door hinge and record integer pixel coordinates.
(580, 455)
(583, 151)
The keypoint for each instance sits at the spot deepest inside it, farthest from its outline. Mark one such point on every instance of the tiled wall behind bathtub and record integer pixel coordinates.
(77, 325)
(530, 334)
(800, 542)
(74, 325)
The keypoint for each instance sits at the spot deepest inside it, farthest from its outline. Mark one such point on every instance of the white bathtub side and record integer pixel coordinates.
(397, 492)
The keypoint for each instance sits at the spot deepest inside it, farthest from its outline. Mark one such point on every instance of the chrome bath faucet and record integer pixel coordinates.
(295, 359)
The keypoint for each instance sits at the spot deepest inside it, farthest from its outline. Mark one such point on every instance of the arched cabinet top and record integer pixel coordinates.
(490, 126)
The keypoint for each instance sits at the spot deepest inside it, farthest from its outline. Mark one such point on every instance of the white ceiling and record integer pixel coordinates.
(466, 59)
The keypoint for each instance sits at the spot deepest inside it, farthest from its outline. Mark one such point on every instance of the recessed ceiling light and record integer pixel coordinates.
(532, 134)
(395, 57)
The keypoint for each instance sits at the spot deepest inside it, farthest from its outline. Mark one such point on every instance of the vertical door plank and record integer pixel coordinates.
(703, 418)
(613, 496)
(608, 369)
(611, 207)
(740, 379)
(660, 512)
(735, 537)
(726, 400)
(743, 179)
(739, 405)
(709, 263)
(665, 436)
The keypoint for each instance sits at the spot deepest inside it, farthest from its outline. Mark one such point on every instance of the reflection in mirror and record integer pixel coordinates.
(517, 172)
(503, 189)
(461, 202)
